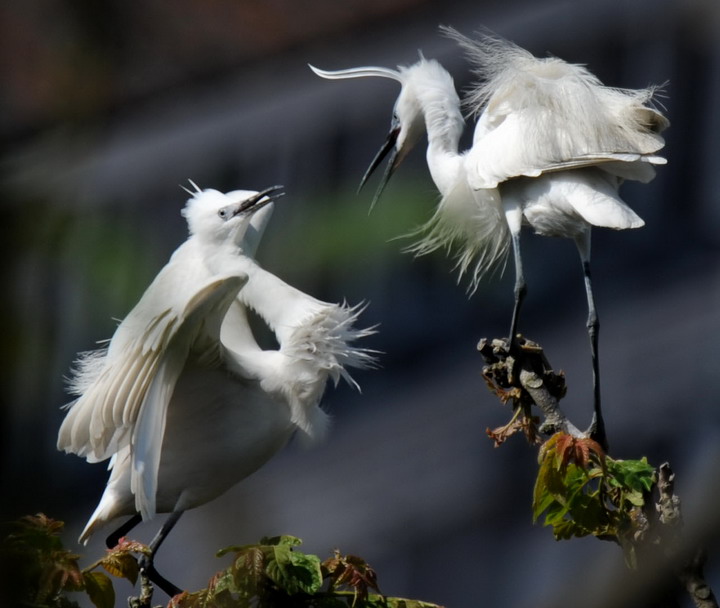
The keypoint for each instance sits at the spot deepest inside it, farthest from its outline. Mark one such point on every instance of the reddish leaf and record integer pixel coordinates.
(519, 423)
(66, 563)
(198, 599)
(565, 448)
(42, 523)
(248, 569)
(36, 561)
(122, 564)
(353, 572)
(131, 546)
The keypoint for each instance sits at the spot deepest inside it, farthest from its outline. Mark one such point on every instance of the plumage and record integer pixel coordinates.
(182, 400)
(550, 149)
(535, 117)
(540, 115)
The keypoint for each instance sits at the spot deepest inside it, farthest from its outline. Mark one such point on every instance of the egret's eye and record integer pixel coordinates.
(223, 213)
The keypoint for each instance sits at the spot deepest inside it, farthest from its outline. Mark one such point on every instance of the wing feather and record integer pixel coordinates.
(539, 115)
(198, 331)
(113, 388)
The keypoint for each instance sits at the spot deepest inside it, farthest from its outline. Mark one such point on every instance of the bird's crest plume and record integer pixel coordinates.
(194, 185)
(360, 72)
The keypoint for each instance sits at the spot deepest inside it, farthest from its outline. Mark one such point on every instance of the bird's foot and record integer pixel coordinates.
(509, 352)
(149, 576)
(513, 343)
(596, 431)
(518, 346)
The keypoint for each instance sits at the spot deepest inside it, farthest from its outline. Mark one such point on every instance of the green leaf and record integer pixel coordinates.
(570, 497)
(542, 500)
(548, 485)
(294, 572)
(634, 498)
(233, 549)
(308, 575)
(222, 582)
(100, 589)
(635, 475)
(590, 516)
(284, 540)
(566, 529)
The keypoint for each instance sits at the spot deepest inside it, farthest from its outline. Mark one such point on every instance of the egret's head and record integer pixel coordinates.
(408, 122)
(239, 216)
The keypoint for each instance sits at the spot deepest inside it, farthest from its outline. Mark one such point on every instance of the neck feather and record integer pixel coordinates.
(444, 122)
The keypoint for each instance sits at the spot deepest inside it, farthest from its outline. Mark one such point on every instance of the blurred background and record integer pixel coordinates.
(107, 107)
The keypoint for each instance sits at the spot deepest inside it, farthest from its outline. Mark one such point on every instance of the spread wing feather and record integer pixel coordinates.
(539, 115)
(123, 391)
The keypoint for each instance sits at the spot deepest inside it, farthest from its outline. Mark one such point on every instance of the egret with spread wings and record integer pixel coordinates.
(183, 401)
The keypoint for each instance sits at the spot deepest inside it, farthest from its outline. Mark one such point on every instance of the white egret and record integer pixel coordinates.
(183, 400)
(551, 146)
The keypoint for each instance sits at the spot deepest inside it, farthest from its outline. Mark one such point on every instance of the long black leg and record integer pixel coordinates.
(146, 562)
(593, 325)
(115, 537)
(520, 287)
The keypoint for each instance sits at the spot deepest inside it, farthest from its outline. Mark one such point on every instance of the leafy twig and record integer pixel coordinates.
(269, 574)
(580, 490)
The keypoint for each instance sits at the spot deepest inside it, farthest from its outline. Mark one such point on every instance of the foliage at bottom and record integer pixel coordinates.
(273, 573)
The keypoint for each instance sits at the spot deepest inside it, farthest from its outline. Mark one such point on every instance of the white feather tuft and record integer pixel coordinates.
(319, 348)
(85, 371)
(572, 110)
(470, 226)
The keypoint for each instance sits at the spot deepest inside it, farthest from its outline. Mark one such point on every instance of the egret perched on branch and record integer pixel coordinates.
(183, 400)
(551, 146)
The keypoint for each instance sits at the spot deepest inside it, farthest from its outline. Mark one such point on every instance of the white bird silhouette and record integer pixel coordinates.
(551, 147)
(183, 400)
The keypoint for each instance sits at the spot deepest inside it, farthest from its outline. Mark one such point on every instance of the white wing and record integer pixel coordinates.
(540, 115)
(553, 203)
(314, 338)
(125, 393)
(532, 141)
(198, 331)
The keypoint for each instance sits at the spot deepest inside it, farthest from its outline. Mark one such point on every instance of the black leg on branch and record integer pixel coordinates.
(597, 426)
(652, 536)
(519, 291)
(593, 324)
(146, 562)
(148, 572)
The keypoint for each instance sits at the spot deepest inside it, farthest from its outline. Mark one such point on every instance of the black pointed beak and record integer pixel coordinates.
(259, 200)
(388, 149)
